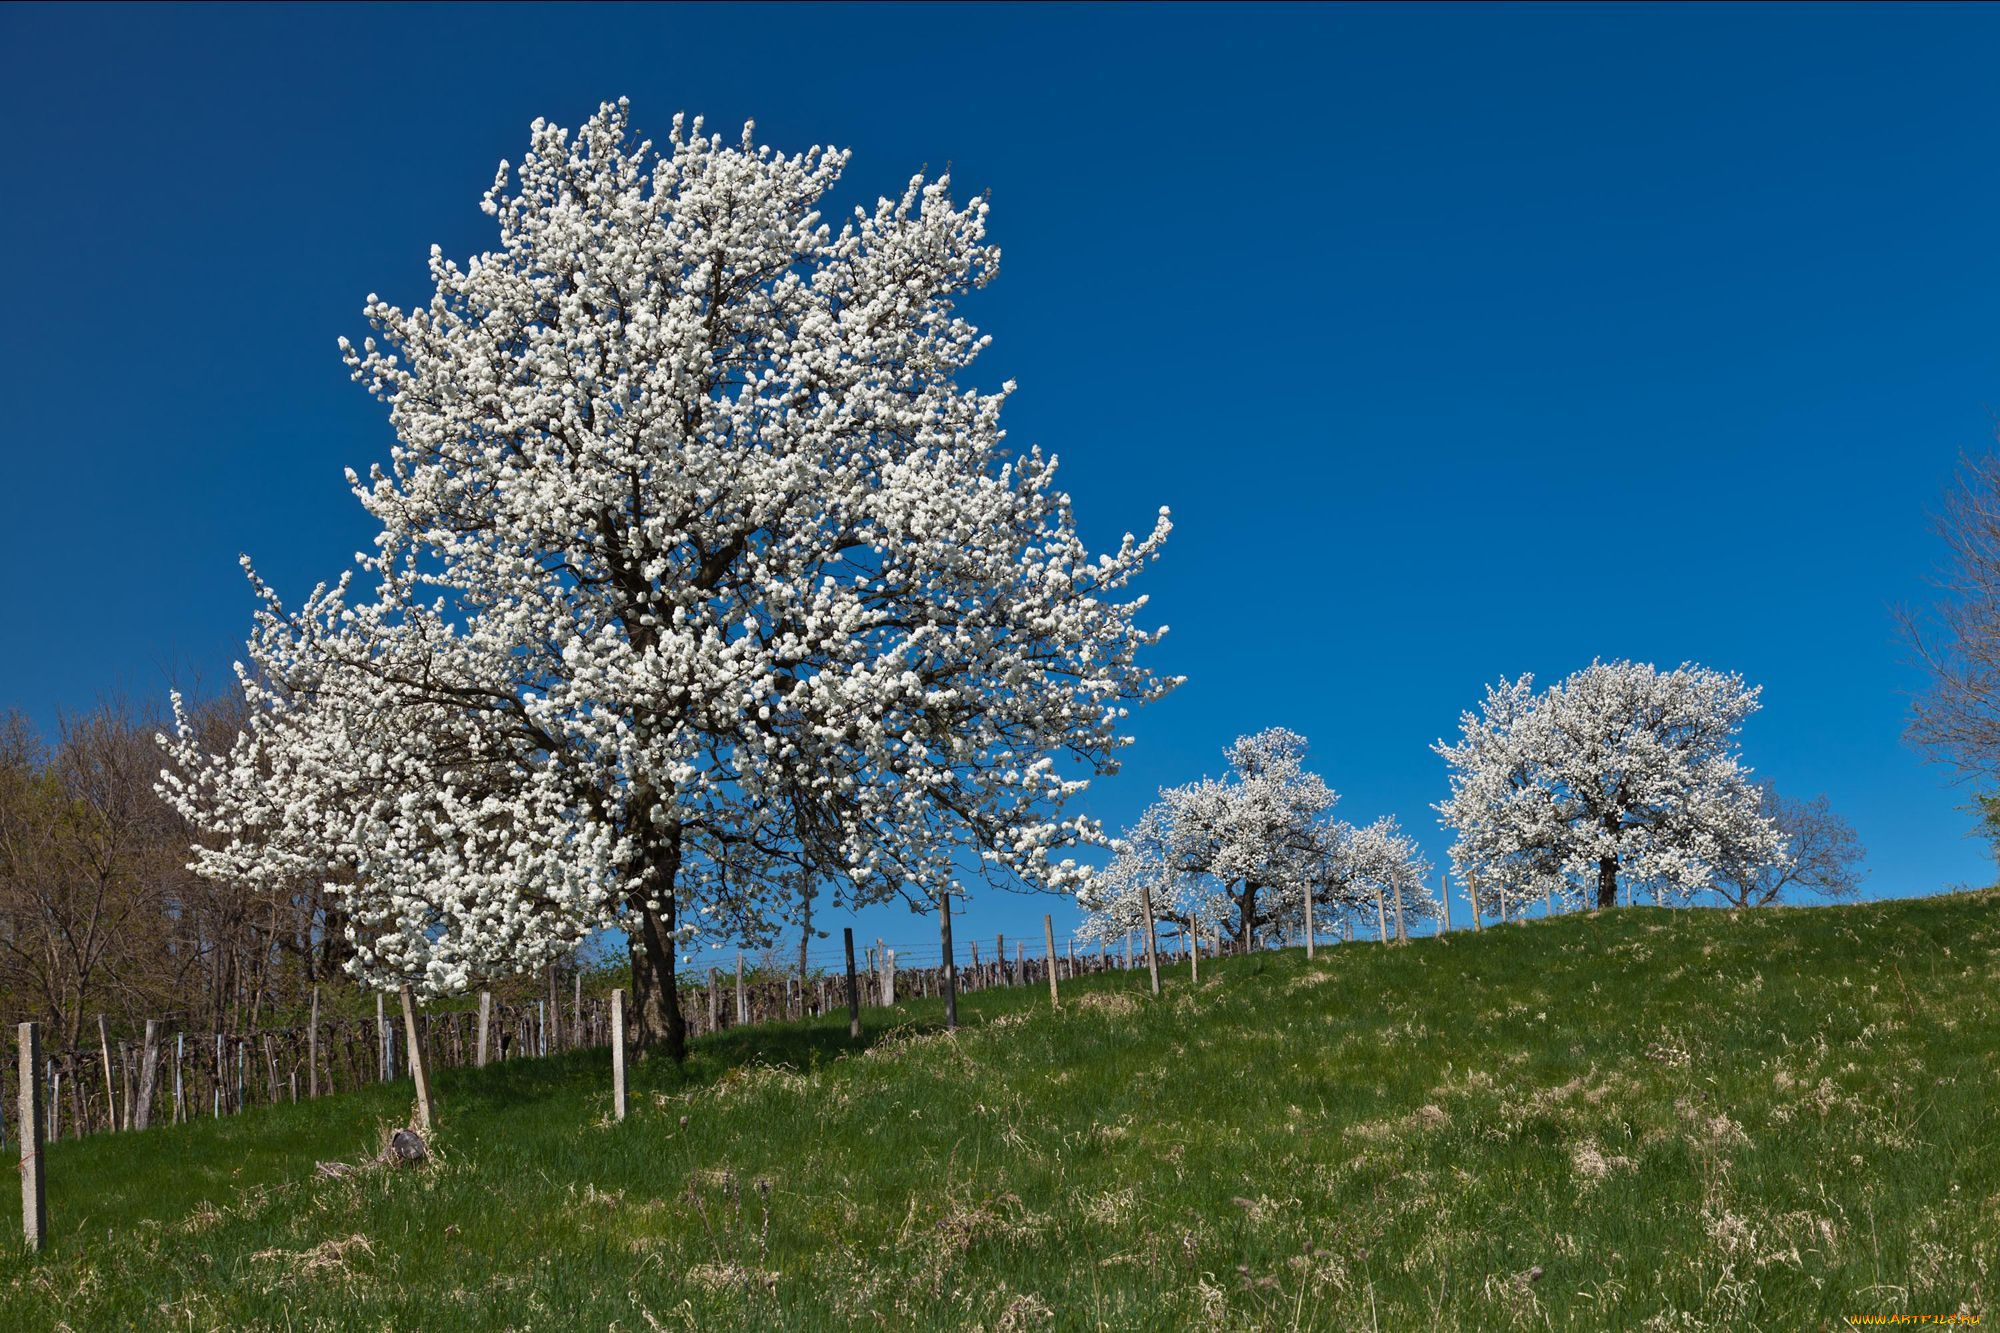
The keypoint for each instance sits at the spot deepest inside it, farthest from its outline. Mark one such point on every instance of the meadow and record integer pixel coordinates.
(1646, 1119)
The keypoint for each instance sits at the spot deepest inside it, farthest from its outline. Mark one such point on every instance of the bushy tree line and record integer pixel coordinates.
(99, 912)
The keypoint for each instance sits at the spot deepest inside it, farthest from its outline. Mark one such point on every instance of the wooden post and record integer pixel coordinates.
(34, 1196)
(742, 1003)
(853, 988)
(889, 979)
(416, 1059)
(180, 1099)
(1152, 936)
(714, 1002)
(618, 1054)
(876, 960)
(1000, 959)
(1444, 897)
(552, 1023)
(125, 1085)
(217, 1089)
(149, 1076)
(972, 977)
(485, 1029)
(110, 1093)
(1049, 940)
(1128, 949)
(577, 1036)
(950, 971)
(312, 1049)
(381, 1037)
(1310, 932)
(1472, 901)
(1194, 951)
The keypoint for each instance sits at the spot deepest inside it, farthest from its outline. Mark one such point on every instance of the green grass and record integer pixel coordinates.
(1647, 1120)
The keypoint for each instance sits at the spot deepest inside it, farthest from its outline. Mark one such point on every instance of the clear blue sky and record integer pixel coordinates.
(1462, 341)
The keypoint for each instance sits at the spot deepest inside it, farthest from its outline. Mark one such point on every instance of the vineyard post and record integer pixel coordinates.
(485, 1029)
(34, 1197)
(1310, 931)
(618, 1054)
(416, 1059)
(1049, 940)
(853, 990)
(149, 1076)
(1444, 897)
(110, 1093)
(950, 972)
(742, 1002)
(1194, 950)
(312, 1049)
(889, 978)
(1152, 938)
(552, 1025)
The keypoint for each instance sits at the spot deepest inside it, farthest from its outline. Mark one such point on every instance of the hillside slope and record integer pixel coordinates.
(1650, 1119)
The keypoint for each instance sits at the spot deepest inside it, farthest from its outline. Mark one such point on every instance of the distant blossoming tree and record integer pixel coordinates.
(1251, 834)
(698, 572)
(1146, 883)
(1374, 870)
(1243, 852)
(1621, 771)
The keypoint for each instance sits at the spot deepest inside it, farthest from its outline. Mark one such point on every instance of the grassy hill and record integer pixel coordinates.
(1647, 1120)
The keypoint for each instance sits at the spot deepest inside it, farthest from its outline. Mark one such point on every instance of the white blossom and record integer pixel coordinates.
(1620, 771)
(1243, 851)
(697, 567)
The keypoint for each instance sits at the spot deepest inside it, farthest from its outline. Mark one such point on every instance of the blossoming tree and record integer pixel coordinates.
(1374, 869)
(1246, 853)
(698, 571)
(1618, 771)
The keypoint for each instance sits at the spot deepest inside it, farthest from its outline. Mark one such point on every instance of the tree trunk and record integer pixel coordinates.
(660, 1023)
(1246, 917)
(1607, 882)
